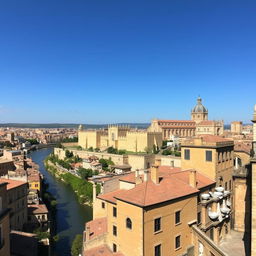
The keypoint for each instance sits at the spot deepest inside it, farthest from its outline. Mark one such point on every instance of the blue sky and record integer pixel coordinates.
(126, 61)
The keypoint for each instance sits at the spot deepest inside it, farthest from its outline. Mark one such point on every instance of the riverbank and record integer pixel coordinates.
(71, 216)
(82, 188)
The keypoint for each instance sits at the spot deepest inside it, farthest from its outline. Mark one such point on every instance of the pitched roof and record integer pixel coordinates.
(242, 147)
(110, 197)
(213, 138)
(102, 250)
(97, 227)
(37, 209)
(12, 183)
(174, 183)
(148, 193)
(206, 122)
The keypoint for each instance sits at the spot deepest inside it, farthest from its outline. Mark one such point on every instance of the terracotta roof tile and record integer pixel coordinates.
(149, 193)
(174, 183)
(12, 183)
(37, 208)
(213, 138)
(97, 227)
(110, 197)
(102, 250)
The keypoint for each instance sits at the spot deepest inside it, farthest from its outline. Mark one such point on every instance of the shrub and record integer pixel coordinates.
(77, 245)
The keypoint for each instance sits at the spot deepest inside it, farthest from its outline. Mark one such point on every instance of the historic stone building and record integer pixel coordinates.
(119, 137)
(199, 124)
(253, 184)
(165, 210)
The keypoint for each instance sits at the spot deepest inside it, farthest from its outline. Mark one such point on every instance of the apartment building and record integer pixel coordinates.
(4, 222)
(17, 202)
(158, 211)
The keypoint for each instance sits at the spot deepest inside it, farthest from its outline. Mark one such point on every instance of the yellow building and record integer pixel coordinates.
(212, 156)
(35, 182)
(158, 212)
(17, 202)
(253, 191)
(198, 125)
(119, 137)
(237, 127)
(4, 222)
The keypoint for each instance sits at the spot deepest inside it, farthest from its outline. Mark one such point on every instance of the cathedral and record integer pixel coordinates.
(198, 125)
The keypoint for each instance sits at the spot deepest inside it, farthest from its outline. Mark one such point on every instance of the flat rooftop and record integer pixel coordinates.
(236, 244)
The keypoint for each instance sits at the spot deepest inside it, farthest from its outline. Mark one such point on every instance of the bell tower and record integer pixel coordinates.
(253, 203)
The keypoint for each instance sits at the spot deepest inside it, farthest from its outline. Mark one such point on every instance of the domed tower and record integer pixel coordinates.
(199, 112)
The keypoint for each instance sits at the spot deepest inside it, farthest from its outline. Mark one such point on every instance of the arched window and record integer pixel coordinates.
(129, 223)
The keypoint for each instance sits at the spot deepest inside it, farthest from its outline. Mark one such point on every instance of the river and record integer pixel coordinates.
(71, 216)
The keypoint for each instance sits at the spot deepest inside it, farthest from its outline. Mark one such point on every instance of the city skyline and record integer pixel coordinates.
(126, 62)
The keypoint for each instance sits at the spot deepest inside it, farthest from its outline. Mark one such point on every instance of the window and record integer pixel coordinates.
(103, 205)
(158, 250)
(208, 156)
(157, 225)
(187, 154)
(230, 185)
(199, 218)
(177, 217)
(114, 248)
(114, 230)
(129, 223)
(226, 186)
(177, 242)
(114, 212)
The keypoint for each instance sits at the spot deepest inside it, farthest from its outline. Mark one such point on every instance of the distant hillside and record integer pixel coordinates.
(57, 125)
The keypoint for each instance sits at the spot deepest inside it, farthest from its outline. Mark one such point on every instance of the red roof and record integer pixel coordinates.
(12, 183)
(213, 138)
(97, 227)
(110, 197)
(206, 122)
(174, 183)
(102, 250)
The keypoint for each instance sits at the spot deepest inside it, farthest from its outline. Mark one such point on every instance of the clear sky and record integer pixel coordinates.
(126, 60)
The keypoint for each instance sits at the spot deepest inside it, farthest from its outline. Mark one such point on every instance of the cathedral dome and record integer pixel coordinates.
(199, 108)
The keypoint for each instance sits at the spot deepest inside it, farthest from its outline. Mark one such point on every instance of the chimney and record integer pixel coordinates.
(155, 174)
(146, 174)
(137, 177)
(87, 233)
(94, 192)
(192, 178)
(158, 162)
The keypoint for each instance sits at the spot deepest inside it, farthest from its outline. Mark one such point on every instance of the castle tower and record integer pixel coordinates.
(253, 163)
(199, 112)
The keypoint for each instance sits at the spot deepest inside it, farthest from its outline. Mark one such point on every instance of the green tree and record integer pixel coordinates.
(77, 245)
(112, 150)
(69, 154)
(166, 152)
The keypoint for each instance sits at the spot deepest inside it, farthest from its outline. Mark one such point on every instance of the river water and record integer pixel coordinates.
(71, 216)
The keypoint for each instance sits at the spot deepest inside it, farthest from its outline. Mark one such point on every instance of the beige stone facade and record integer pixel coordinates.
(121, 138)
(4, 222)
(211, 155)
(161, 211)
(198, 125)
(237, 127)
(17, 202)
